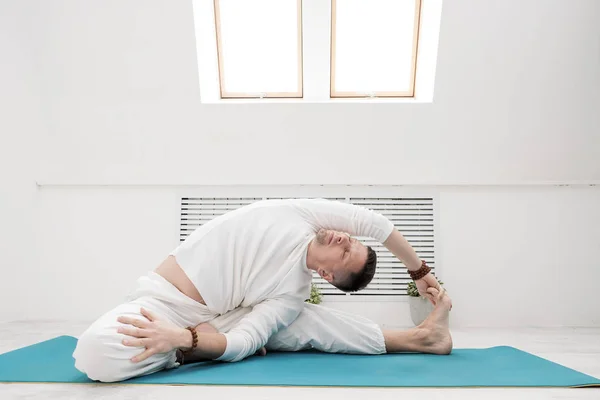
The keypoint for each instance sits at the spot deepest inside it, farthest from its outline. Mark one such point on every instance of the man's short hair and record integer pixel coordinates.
(360, 280)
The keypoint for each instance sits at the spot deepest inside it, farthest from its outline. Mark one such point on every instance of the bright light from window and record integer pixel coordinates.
(374, 47)
(259, 44)
(331, 51)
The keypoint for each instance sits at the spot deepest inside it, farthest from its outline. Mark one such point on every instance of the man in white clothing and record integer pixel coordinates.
(237, 286)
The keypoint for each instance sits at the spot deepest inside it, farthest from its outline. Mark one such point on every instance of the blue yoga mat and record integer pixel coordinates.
(51, 361)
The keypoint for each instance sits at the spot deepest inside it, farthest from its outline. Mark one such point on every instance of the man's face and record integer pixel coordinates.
(338, 255)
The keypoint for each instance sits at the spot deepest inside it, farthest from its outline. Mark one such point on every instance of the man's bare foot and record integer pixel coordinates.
(434, 331)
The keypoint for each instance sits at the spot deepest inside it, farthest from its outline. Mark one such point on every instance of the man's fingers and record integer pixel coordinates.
(437, 293)
(428, 296)
(134, 342)
(131, 331)
(432, 293)
(148, 314)
(133, 321)
(144, 355)
(431, 299)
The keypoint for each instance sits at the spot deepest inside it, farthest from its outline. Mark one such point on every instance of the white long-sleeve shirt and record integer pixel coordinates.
(255, 257)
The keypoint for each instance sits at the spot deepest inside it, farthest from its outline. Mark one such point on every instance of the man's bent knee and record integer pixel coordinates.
(102, 357)
(90, 358)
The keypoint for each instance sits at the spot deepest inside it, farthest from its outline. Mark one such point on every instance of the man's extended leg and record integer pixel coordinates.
(334, 331)
(431, 336)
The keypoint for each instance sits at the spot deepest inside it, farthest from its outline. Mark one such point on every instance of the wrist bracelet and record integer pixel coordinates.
(180, 354)
(194, 339)
(421, 272)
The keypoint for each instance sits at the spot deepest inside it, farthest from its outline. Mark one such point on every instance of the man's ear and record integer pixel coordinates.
(325, 275)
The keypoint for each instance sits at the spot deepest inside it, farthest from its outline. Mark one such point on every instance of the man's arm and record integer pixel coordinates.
(360, 221)
(210, 345)
(346, 217)
(248, 336)
(399, 246)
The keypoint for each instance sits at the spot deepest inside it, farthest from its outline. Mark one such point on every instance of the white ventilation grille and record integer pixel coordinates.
(412, 216)
(196, 211)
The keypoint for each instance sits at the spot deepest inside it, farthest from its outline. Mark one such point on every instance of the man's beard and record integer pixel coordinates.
(321, 236)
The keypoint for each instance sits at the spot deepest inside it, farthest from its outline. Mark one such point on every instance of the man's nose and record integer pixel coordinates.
(341, 238)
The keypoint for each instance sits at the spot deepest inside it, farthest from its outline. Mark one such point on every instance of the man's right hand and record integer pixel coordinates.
(425, 283)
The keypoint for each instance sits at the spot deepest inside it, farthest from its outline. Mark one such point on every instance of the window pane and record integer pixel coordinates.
(259, 49)
(373, 46)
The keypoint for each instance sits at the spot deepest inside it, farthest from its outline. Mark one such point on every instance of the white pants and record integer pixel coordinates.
(101, 355)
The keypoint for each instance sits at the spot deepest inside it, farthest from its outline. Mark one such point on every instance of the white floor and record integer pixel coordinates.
(577, 348)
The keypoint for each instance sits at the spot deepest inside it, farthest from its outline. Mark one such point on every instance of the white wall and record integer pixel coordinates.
(516, 100)
(116, 92)
(21, 125)
(522, 256)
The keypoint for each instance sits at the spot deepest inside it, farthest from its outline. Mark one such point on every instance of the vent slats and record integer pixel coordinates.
(413, 216)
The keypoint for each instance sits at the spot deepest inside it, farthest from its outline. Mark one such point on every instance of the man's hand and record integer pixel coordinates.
(155, 335)
(425, 283)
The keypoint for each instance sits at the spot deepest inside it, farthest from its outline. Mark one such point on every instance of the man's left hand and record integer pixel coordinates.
(425, 283)
(155, 335)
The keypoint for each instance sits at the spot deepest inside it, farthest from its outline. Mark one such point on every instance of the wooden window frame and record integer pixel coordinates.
(409, 93)
(238, 95)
